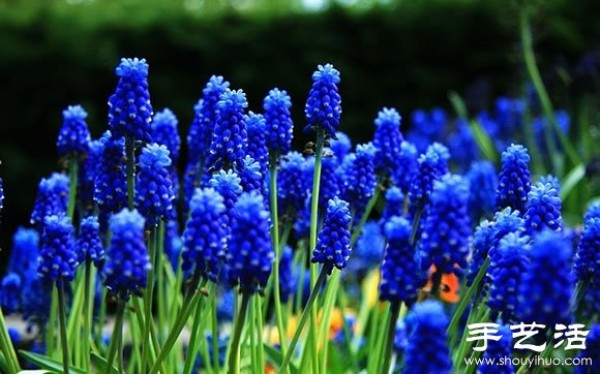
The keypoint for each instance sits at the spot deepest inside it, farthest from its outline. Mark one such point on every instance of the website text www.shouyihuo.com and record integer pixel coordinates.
(529, 361)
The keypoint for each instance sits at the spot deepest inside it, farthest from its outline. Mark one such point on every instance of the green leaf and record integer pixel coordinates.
(571, 180)
(484, 142)
(3, 365)
(276, 357)
(459, 105)
(48, 363)
(100, 362)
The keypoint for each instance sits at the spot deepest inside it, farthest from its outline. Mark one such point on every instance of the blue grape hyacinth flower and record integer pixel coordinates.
(127, 260)
(204, 236)
(25, 247)
(548, 285)
(164, 132)
(407, 166)
(288, 278)
(88, 170)
(250, 249)
(57, 259)
(323, 106)
(394, 204)
(110, 192)
(154, 195)
(333, 242)
(340, 146)
(251, 177)
(587, 258)
(387, 140)
(369, 250)
(433, 165)
(483, 183)
(52, 198)
(10, 293)
(447, 227)
(506, 273)
(230, 138)
(205, 119)
(292, 194)
(514, 181)
(361, 179)
(498, 350)
(591, 352)
(278, 121)
(399, 272)
(89, 243)
(74, 135)
(427, 350)
(130, 110)
(227, 184)
(483, 240)
(543, 209)
(257, 140)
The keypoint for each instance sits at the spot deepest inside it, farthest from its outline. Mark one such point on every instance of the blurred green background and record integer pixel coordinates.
(407, 54)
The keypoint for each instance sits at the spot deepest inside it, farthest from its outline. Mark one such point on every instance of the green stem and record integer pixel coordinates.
(62, 320)
(536, 78)
(101, 317)
(148, 296)
(215, 332)
(7, 348)
(275, 235)
(130, 149)
(391, 332)
(314, 220)
(72, 187)
(87, 315)
(305, 313)
(188, 306)
(193, 343)
(259, 327)
(50, 351)
(116, 336)
(234, 353)
(160, 283)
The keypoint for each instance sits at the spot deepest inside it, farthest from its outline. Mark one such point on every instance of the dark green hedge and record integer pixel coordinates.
(53, 55)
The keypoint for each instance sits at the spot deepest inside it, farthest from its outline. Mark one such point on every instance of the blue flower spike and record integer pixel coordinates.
(323, 106)
(74, 136)
(278, 121)
(333, 241)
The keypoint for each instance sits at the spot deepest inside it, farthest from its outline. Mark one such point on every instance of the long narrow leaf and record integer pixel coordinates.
(276, 357)
(575, 176)
(48, 363)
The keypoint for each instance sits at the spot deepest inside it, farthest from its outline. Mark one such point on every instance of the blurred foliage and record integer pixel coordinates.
(406, 54)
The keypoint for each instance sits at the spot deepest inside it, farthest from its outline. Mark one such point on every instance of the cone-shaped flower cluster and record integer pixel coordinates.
(543, 209)
(154, 193)
(10, 289)
(227, 184)
(361, 181)
(203, 125)
(88, 171)
(288, 280)
(74, 136)
(89, 243)
(587, 258)
(333, 241)
(111, 181)
(399, 270)
(514, 181)
(52, 198)
(482, 189)
(547, 285)
(498, 350)
(130, 110)
(164, 132)
(229, 139)
(483, 239)
(25, 247)
(447, 227)
(387, 140)
(433, 164)
(57, 259)
(340, 146)
(127, 259)
(278, 120)
(251, 178)
(394, 203)
(407, 166)
(204, 237)
(291, 192)
(506, 273)
(323, 107)
(427, 350)
(250, 248)
(257, 140)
